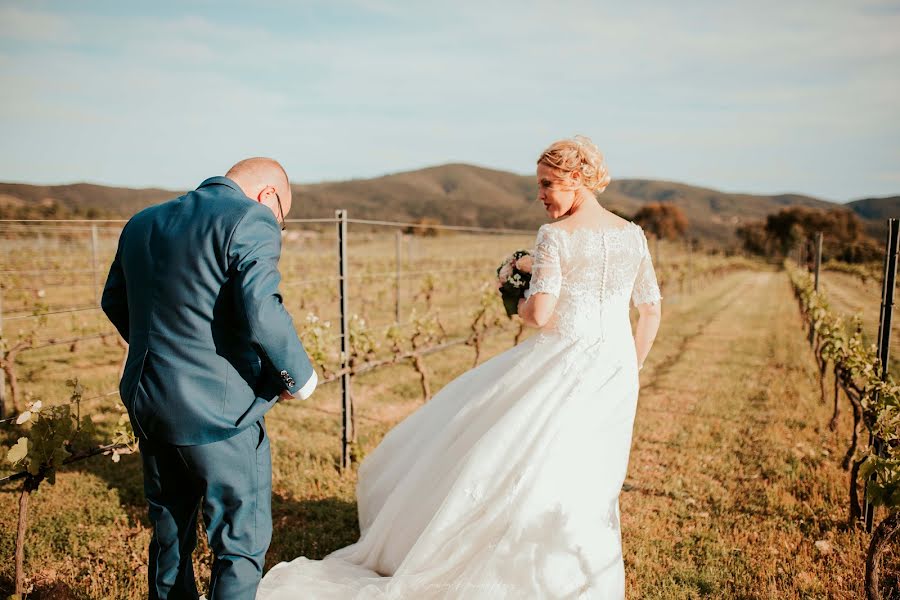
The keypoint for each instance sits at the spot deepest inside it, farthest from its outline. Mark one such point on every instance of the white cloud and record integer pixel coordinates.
(22, 25)
(715, 94)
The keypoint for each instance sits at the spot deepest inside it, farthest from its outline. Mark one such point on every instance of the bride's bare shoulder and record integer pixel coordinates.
(607, 221)
(620, 222)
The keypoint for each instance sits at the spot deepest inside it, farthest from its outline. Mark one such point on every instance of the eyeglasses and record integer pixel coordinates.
(280, 212)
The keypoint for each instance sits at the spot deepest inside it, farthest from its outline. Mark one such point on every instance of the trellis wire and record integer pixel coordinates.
(18, 226)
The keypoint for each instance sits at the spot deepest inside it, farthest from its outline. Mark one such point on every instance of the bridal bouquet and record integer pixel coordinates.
(513, 276)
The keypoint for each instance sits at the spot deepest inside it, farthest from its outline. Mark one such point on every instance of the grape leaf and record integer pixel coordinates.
(19, 451)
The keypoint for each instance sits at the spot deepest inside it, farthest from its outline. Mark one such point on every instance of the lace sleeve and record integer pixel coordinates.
(646, 289)
(546, 275)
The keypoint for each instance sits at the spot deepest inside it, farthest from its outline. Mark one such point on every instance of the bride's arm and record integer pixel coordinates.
(538, 309)
(647, 298)
(647, 326)
(540, 299)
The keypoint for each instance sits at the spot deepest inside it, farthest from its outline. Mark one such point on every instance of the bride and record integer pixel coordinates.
(506, 484)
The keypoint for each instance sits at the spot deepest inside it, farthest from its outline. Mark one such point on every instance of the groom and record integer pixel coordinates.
(194, 291)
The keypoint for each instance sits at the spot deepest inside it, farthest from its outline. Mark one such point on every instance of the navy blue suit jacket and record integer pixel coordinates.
(194, 291)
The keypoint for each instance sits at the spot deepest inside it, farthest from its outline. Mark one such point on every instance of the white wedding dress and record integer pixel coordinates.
(506, 483)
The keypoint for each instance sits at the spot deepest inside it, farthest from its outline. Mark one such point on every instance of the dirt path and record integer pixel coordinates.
(733, 475)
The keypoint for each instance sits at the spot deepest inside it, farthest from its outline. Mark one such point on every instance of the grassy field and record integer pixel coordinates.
(49, 271)
(733, 476)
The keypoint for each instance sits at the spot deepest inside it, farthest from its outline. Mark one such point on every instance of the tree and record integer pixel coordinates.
(754, 237)
(844, 238)
(861, 251)
(662, 219)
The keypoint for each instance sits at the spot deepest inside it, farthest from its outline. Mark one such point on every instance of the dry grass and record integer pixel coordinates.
(733, 475)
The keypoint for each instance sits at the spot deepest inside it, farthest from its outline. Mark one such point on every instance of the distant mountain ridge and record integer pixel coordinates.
(458, 194)
(874, 212)
(877, 208)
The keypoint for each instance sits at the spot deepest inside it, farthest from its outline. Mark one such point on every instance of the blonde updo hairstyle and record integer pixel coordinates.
(578, 154)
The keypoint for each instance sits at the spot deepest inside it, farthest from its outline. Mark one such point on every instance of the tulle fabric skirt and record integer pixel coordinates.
(504, 485)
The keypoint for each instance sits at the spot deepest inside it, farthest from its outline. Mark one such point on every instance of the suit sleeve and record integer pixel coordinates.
(253, 258)
(114, 301)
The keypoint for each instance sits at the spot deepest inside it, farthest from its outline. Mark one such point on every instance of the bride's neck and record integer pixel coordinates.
(585, 204)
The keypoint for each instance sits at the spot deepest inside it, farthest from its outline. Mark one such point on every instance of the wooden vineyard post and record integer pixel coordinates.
(690, 266)
(884, 333)
(21, 528)
(812, 330)
(818, 257)
(346, 407)
(94, 263)
(397, 287)
(2, 374)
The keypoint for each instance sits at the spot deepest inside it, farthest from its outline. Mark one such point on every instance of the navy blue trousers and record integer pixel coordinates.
(232, 481)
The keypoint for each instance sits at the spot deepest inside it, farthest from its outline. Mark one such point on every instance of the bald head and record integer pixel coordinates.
(264, 180)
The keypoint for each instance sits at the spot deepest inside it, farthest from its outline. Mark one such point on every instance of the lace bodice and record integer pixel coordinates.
(593, 273)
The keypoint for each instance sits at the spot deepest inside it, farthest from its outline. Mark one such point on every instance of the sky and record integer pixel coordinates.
(760, 97)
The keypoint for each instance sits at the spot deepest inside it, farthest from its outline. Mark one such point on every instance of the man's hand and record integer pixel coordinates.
(285, 395)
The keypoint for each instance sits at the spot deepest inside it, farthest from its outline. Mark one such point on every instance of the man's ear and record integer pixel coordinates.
(264, 193)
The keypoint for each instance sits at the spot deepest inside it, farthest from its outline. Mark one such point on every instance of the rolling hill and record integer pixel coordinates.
(458, 194)
(874, 211)
(877, 208)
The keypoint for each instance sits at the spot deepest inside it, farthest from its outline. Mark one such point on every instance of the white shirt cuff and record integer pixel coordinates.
(308, 387)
